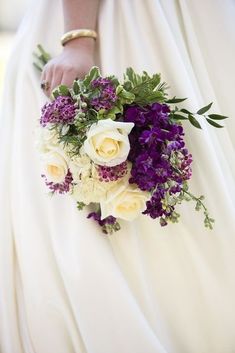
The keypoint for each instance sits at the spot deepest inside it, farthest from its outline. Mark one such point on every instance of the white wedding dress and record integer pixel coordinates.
(64, 286)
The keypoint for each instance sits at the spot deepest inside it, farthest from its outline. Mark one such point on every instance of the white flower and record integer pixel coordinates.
(46, 139)
(126, 201)
(107, 142)
(80, 167)
(55, 166)
(91, 189)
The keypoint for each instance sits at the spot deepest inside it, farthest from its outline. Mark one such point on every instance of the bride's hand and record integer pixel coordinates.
(75, 61)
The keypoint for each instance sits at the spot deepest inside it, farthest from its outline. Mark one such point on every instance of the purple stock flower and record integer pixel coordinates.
(60, 110)
(158, 156)
(108, 224)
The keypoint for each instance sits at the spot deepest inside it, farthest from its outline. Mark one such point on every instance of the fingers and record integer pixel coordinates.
(57, 75)
(68, 77)
(56, 78)
(46, 76)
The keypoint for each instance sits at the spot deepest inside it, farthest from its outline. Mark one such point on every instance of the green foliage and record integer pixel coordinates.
(80, 205)
(175, 100)
(42, 58)
(213, 123)
(146, 89)
(194, 121)
(204, 109)
(93, 74)
(217, 117)
(208, 221)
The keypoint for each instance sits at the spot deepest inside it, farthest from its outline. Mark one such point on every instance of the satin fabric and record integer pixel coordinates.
(64, 286)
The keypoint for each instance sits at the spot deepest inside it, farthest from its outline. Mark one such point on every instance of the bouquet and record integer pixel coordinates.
(119, 147)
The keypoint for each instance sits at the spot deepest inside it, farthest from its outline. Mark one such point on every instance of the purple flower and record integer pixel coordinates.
(61, 188)
(60, 110)
(112, 173)
(108, 224)
(106, 94)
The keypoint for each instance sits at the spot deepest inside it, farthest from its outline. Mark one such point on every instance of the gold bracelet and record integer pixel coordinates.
(77, 33)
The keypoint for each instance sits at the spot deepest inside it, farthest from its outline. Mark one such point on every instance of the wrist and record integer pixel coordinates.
(83, 43)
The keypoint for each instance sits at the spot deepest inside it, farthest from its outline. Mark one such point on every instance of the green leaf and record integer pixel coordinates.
(55, 93)
(92, 75)
(179, 117)
(126, 96)
(119, 89)
(175, 100)
(63, 90)
(217, 117)
(76, 88)
(213, 123)
(204, 109)
(185, 111)
(112, 112)
(194, 121)
(132, 76)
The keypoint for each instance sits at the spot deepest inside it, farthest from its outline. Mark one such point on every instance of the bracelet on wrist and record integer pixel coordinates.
(77, 33)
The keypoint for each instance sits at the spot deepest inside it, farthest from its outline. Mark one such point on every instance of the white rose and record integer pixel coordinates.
(55, 166)
(107, 142)
(125, 202)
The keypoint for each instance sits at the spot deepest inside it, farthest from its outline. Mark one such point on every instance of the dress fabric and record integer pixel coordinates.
(64, 286)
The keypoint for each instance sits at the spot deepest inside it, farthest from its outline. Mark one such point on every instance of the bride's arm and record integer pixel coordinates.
(77, 55)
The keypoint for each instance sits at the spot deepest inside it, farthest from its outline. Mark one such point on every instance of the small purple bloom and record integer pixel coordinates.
(61, 110)
(61, 188)
(106, 94)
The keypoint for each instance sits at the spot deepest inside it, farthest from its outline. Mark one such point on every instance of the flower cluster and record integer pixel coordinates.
(60, 111)
(159, 156)
(61, 188)
(119, 147)
(112, 173)
(108, 224)
(106, 96)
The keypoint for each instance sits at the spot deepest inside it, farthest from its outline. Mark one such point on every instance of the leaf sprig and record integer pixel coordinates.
(184, 114)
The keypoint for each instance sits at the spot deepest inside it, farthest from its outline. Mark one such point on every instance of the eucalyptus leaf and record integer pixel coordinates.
(204, 109)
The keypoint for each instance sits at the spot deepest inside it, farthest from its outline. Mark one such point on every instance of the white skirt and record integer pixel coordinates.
(64, 286)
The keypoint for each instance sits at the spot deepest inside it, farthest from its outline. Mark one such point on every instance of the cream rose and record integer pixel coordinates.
(55, 166)
(125, 202)
(107, 142)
